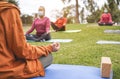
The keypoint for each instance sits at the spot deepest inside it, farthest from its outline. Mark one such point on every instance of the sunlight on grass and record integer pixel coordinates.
(83, 50)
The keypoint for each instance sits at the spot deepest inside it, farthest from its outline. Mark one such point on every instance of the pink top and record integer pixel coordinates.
(40, 25)
(106, 18)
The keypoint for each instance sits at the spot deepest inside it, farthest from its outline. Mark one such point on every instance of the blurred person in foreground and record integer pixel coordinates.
(18, 59)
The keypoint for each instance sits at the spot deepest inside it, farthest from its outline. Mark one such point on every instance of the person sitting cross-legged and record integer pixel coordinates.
(106, 19)
(59, 24)
(19, 59)
(42, 26)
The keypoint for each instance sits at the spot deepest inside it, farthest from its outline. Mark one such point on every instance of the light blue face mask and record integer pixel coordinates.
(40, 13)
(105, 11)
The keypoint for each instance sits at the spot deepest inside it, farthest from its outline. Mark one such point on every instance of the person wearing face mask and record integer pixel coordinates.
(42, 27)
(106, 19)
(60, 23)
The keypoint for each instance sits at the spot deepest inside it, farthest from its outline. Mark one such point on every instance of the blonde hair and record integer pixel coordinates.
(42, 8)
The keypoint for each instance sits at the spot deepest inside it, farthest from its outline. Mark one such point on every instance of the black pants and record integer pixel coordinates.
(56, 27)
(43, 37)
(46, 61)
(107, 24)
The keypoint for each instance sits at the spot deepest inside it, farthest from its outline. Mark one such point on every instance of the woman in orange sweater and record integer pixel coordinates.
(59, 24)
(18, 59)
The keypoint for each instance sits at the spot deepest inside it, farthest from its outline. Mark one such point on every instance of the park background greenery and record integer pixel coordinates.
(76, 13)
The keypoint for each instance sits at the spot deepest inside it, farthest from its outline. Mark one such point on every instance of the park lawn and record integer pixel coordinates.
(83, 50)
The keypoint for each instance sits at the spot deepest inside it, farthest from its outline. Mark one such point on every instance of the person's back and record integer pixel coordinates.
(18, 59)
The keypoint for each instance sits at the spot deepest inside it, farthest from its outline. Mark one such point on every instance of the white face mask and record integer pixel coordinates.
(40, 13)
(105, 11)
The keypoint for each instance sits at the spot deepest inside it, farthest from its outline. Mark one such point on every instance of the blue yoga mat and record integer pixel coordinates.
(58, 71)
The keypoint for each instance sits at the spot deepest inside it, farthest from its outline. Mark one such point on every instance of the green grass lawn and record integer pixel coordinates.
(83, 50)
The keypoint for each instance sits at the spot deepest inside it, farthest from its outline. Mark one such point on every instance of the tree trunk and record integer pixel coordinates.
(77, 12)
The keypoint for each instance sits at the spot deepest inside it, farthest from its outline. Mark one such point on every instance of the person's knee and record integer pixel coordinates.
(46, 61)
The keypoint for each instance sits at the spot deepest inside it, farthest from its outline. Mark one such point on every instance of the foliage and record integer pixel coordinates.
(114, 10)
(90, 5)
(82, 15)
(76, 17)
(26, 19)
(116, 16)
(66, 1)
(94, 17)
(69, 12)
(118, 2)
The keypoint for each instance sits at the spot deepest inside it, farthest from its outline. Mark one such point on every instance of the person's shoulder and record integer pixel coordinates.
(65, 18)
(46, 18)
(36, 19)
(8, 6)
(109, 14)
(103, 13)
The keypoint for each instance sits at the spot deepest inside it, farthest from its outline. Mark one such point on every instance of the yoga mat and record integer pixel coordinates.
(112, 31)
(60, 40)
(59, 71)
(107, 42)
(54, 40)
(72, 31)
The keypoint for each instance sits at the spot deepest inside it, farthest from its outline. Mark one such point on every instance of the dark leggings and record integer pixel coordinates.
(38, 38)
(46, 61)
(107, 24)
(56, 27)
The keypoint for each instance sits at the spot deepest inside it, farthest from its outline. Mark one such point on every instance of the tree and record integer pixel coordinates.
(76, 7)
(118, 2)
(92, 8)
(82, 15)
(26, 19)
(114, 10)
(69, 12)
(77, 12)
(90, 5)
(94, 17)
(14, 2)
